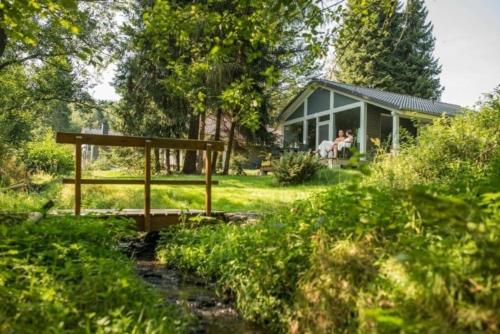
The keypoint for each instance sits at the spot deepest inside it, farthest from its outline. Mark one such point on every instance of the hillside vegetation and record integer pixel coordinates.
(63, 275)
(411, 247)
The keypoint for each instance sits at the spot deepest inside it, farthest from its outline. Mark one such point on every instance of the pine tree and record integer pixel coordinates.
(419, 72)
(362, 48)
(380, 46)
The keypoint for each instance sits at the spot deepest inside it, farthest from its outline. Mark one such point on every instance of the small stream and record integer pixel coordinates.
(215, 315)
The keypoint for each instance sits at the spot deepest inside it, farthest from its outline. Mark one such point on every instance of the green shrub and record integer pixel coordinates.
(455, 153)
(296, 167)
(357, 259)
(48, 156)
(12, 170)
(238, 163)
(387, 256)
(63, 275)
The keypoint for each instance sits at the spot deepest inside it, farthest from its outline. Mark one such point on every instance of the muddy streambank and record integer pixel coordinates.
(213, 314)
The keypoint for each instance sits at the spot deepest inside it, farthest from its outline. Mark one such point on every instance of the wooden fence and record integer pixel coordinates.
(79, 139)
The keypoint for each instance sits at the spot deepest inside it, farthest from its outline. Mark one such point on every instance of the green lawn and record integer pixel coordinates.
(250, 193)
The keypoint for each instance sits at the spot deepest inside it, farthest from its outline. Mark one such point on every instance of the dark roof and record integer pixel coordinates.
(388, 99)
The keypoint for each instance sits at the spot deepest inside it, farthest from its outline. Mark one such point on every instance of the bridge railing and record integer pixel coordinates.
(79, 139)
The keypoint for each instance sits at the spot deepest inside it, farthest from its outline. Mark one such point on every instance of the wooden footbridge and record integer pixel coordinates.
(147, 219)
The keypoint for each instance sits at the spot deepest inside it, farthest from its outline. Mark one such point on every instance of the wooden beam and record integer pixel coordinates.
(208, 181)
(78, 175)
(129, 141)
(139, 182)
(147, 185)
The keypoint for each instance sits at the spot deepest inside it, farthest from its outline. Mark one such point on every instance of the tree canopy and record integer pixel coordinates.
(381, 45)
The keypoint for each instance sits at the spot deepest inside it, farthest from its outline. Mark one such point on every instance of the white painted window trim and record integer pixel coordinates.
(395, 132)
(293, 121)
(304, 123)
(363, 120)
(348, 106)
(361, 104)
(332, 118)
(318, 124)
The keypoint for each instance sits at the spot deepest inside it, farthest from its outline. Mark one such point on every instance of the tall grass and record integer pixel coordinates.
(411, 248)
(67, 275)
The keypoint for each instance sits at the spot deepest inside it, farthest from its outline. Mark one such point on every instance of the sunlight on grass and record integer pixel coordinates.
(234, 193)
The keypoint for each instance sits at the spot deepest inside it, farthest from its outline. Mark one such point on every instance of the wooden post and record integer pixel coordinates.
(147, 185)
(395, 132)
(208, 180)
(78, 175)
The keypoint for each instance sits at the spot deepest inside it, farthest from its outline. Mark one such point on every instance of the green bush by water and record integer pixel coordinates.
(66, 275)
(389, 256)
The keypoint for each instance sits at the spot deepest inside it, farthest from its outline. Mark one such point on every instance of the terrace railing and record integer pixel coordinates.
(79, 139)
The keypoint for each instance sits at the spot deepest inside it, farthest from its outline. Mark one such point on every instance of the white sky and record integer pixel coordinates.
(467, 44)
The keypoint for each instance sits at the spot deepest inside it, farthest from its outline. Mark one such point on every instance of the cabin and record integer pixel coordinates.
(323, 107)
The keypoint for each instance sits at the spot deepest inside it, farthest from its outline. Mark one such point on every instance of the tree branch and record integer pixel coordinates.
(30, 57)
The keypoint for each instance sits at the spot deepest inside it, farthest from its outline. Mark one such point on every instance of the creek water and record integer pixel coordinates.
(214, 314)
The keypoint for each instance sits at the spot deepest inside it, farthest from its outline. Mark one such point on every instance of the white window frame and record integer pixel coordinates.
(330, 111)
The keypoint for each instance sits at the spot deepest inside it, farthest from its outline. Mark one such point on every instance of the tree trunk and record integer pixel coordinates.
(190, 158)
(167, 161)
(178, 160)
(230, 145)
(3, 37)
(199, 165)
(157, 160)
(218, 121)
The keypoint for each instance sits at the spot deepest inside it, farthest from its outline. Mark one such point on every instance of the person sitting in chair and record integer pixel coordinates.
(328, 146)
(345, 143)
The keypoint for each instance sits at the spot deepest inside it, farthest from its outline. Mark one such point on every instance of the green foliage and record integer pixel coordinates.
(121, 158)
(12, 170)
(63, 275)
(21, 21)
(455, 153)
(249, 193)
(48, 156)
(238, 163)
(258, 264)
(381, 46)
(372, 257)
(296, 167)
(356, 259)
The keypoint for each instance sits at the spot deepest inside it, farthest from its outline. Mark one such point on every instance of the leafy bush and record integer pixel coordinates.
(238, 162)
(296, 167)
(124, 158)
(453, 152)
(390, 256)
(61, 275)
(356, 259)
(12, 170)
(48, 156)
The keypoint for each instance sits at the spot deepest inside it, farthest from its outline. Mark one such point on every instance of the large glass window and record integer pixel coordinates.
(299, 112)
(347, 120)
(324, 118)
(323, 132)
(311, 133)
(293, 134)
(318, 101)
(340, 100)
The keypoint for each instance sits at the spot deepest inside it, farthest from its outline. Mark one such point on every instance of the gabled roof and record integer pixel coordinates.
(386, 99)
